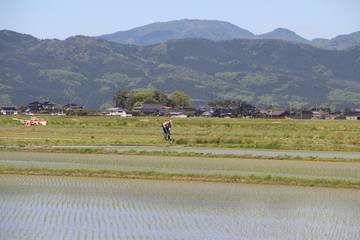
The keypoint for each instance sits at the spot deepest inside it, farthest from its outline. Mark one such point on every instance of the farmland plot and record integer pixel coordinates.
(34, 207)
(187, 165)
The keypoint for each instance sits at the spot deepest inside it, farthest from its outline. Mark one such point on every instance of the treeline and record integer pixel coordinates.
(130, 100)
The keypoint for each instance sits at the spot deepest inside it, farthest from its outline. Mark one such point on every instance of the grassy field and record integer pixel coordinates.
(313, 135)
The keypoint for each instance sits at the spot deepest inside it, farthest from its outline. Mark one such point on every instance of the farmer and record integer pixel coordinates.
(166, 126)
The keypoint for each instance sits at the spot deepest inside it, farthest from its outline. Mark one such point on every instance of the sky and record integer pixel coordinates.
(60, 19)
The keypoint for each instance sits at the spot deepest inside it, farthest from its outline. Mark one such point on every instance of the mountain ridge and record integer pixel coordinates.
(283, 34)
(158, 32)
(218, 30)
(87, 71)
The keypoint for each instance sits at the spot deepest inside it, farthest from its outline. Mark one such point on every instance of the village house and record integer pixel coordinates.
(204, 114)
(9, 111)
(303, 114)
(115, 112)
(354, 115)
(149, 109)
(48, 106)
(189, 111)
(178, 113)
(72, 106)
(39, 107)
(279, 114)
(248, 110)
(33, 107)
(224, 113)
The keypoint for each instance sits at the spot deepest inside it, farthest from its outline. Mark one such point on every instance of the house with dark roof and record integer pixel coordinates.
(205, 114)
(354, 115)
(48, 106)
(72, 106)
(304, 114)
(224, 113)
(179, 113)
(279, 114)
(9, 111)
(247, 108)
(36, 107)
(149, 108)
(33, 107)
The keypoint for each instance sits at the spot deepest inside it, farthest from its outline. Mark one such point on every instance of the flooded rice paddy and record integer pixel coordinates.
(39, 207)
(270, 153)
(33, 207)
(189, 165)
(254, 152)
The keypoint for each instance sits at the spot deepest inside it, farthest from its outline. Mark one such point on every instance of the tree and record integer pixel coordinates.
(180, 99)
(347, 110)
(137, 98)
(162, 98)
(128, 101)
(120, 98)
(21, 108)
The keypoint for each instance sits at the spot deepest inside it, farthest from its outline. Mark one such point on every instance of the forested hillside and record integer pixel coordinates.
(88, 71)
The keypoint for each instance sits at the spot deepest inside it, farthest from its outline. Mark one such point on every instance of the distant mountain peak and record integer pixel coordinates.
(216, 30)
(178, 29)
(340, 42)
(283, 30)
(283, 34)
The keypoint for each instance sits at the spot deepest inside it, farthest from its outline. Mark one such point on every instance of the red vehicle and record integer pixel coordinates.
(32, 122)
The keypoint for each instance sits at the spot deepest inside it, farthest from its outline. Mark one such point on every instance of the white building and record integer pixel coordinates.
(9, 111)
(116, 112)
(353, 116)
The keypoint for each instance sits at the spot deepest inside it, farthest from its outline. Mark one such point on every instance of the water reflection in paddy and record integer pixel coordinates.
(91, 208)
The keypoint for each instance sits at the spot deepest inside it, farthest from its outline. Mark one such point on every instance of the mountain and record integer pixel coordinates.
(218, 30)
(12, 41)
(162, 31)
(88, 71)
(283, 34)
(340, 42)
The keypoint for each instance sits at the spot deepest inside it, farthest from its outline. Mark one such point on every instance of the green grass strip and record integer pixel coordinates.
(152, 175)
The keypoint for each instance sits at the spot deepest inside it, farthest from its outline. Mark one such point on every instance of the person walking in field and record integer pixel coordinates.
(166, 126)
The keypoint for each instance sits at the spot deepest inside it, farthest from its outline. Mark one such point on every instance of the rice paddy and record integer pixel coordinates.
(34, 207)
(182, 165)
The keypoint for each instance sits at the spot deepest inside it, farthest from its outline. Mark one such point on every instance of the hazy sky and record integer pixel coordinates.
(64, 18)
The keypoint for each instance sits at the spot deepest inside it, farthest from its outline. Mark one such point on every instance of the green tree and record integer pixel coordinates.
(21, 108)
(180, 99)
(136, 98)
(162, 98)
(347, 110)
(120, 98)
